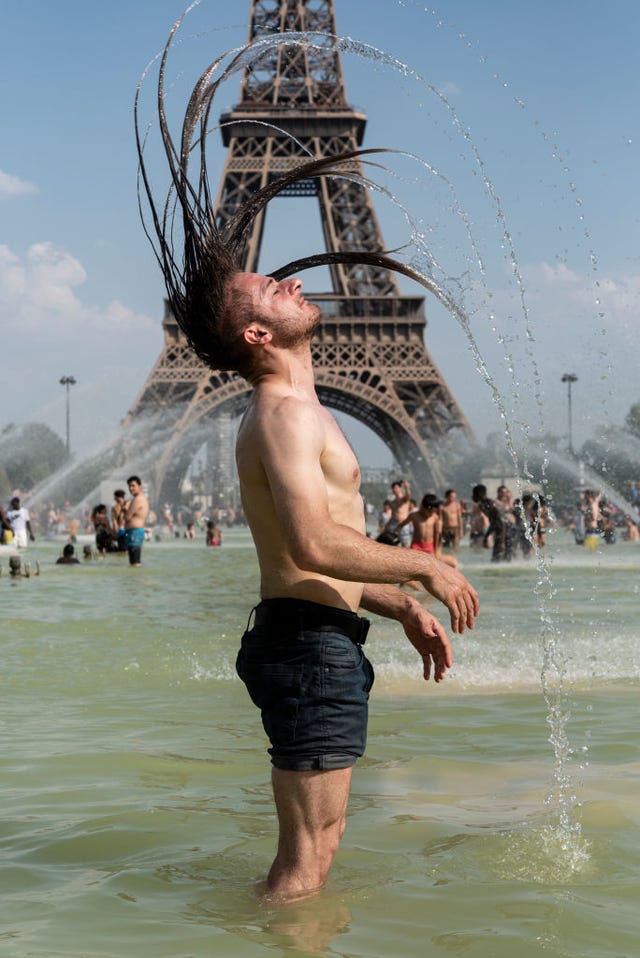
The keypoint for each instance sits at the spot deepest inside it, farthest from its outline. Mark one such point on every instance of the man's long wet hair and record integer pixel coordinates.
(197, 277)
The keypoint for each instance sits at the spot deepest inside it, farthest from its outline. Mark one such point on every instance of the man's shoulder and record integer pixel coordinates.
(281, 412)
(276, 400)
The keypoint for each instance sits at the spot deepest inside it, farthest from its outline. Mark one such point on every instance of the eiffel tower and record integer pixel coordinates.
(369, 354)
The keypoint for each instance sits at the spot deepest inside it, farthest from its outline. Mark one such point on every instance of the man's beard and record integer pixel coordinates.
(291, 336)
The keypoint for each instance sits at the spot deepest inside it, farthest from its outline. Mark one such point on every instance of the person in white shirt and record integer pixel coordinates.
(19, 520)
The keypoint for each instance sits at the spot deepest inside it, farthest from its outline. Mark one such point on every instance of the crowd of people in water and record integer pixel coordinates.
(122, 527)
(507, 526)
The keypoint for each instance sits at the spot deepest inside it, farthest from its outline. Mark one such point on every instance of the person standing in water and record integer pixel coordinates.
(452, 520)
(19, 520)
(301, 656)
(302, 659)
(425, 525)
(137, 510)
(118, 515)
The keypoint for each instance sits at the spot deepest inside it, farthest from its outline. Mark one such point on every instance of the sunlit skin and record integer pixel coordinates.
(452, 521)
(300, 486)
(137, 507)
(400, 503)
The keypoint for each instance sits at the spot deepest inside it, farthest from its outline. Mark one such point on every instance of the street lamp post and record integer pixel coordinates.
(570, 379)
(68, 381)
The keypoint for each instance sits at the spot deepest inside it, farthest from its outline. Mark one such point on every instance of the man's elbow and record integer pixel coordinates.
(309, 554)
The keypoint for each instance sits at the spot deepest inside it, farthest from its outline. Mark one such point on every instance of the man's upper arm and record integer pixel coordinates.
(292, 440)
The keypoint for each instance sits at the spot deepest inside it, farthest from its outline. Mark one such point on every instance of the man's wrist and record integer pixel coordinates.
(408, 609)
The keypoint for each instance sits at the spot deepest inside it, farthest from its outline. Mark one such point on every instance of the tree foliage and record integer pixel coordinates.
(632, 420)
(29, 454)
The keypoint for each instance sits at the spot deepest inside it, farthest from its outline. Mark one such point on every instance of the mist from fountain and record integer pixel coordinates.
(587, 478)
(135, 450)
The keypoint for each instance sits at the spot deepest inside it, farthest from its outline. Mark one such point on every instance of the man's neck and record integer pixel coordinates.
(288, 369)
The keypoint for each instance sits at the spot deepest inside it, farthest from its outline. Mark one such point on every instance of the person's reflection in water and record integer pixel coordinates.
(308, 925)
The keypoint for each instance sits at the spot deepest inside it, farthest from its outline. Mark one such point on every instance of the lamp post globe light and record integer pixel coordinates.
(570, 379)
(67, 382)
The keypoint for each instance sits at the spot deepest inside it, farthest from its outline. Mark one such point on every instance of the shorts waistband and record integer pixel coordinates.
(300, 614)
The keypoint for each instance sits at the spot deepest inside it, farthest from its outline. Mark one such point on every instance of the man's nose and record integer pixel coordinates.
(294, 284)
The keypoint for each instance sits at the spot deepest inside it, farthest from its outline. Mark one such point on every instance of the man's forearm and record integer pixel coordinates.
(386, 600)
(342, 553)
(332, 549)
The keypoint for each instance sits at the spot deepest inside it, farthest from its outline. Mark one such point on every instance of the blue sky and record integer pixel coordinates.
(540, 144)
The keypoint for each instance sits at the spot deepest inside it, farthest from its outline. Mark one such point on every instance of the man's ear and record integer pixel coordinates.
(256, 335)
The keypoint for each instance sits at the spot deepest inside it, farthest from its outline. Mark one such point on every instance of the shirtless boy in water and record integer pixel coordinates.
(427, 526)
(427, 529)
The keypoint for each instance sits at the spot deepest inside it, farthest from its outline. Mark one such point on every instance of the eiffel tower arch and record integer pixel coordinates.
(369, 353)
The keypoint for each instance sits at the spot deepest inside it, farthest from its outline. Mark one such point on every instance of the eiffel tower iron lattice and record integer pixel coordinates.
(369, 354)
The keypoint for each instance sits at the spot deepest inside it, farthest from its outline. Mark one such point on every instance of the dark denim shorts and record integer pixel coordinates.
(311, 682)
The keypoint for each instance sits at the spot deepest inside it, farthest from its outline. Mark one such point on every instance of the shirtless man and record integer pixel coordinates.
(302, 659)
(451, 515)
(135, 518)
(400, 509)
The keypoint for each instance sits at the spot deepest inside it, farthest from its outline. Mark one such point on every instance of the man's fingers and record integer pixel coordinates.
(426, 666)
(470, 609)
(476, 602)
(463, 610)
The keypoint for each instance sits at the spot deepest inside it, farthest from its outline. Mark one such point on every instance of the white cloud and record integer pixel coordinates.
(560, 273)
(611, 300)
(13, 186)
(54, 330)
(39, 295)
(11, 276)
(621, 297)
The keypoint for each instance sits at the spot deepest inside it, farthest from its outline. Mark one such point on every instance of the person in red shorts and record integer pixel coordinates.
(427, 529)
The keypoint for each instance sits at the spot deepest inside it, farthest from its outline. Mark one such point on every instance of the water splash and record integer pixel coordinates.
(550, 855)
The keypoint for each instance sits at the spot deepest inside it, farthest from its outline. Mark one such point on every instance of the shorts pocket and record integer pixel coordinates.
(342, 656)
(280, 721)
(275, 687)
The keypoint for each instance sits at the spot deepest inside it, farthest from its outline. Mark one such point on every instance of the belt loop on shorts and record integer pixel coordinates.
(251, 615)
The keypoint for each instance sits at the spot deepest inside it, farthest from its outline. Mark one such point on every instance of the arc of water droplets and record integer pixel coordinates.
(557, 717)
(370, 52)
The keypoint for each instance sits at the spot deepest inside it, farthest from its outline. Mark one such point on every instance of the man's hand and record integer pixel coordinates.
(452, 589)
(430, 640)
